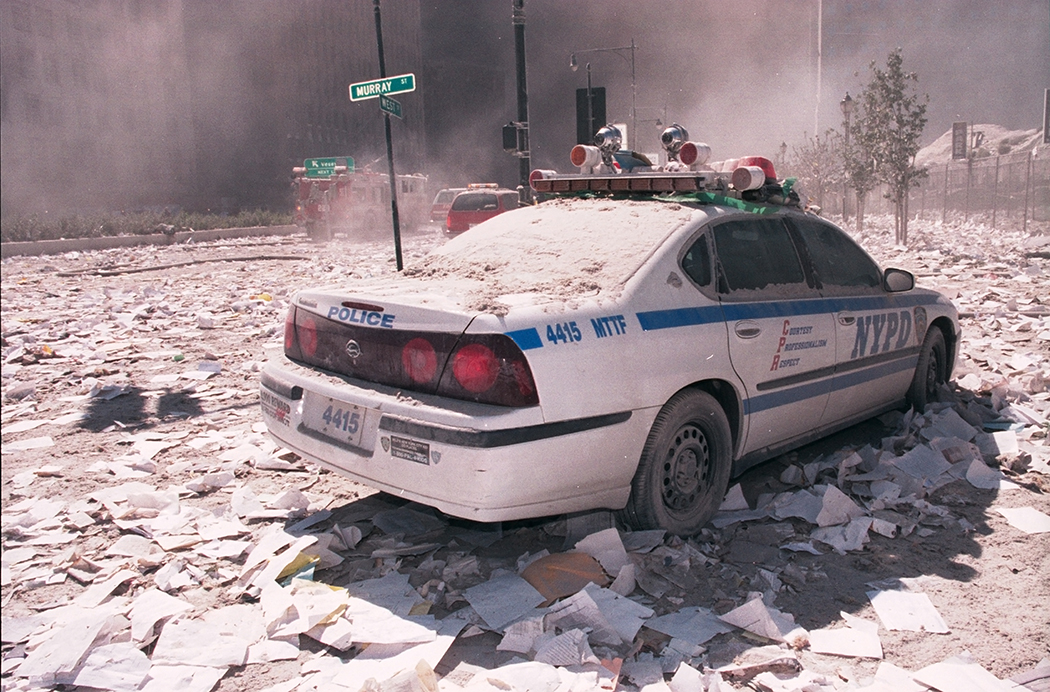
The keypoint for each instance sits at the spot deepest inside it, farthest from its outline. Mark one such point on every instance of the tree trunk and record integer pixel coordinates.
(904, 218)
(897, 230)
(861, 197)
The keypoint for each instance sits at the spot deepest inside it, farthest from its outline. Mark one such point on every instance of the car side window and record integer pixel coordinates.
(696, 262)
(839, 262)
(757, 254)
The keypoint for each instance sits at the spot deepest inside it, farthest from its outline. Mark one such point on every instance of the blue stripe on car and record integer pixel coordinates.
(682, 317)
(526, 338)
(686, 317)
(791, 395)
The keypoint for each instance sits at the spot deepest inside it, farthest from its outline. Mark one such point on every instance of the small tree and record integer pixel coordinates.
(859, 169)
(818, 163)
(891, 122)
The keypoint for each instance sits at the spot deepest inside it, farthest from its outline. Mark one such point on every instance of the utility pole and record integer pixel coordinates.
(524, 160)
(389, 145)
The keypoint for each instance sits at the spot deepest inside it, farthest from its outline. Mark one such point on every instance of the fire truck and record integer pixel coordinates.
(339, 198)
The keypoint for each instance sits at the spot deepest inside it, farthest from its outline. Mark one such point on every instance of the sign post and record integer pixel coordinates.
(382, 88)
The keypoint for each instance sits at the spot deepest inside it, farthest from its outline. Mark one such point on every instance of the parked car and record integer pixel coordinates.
(629, 350)
(442, 201)
(480, 202)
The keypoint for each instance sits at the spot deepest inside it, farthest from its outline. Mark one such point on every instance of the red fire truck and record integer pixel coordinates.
(337, 198)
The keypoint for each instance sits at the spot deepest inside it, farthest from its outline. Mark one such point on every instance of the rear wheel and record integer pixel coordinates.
(684, 468)
(931, 370)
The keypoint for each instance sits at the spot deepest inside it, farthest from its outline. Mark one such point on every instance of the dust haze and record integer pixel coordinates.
(187, 103)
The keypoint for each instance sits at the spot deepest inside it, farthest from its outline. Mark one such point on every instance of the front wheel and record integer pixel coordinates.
(684, 468)
(931, 370)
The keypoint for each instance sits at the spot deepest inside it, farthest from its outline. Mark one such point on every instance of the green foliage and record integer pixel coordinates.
(888, 129)
(46, 227)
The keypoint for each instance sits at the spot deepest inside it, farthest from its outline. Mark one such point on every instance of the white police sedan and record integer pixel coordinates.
(630, 345)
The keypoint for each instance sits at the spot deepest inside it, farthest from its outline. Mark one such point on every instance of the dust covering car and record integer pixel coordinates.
(630, 343)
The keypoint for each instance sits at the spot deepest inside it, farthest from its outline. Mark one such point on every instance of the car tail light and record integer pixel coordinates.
(306, 330)
(291, 340)
(489, 369)
(475, 367)
(419, 360)
(483, 368)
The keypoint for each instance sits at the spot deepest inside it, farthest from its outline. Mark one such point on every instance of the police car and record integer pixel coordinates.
(630, 343)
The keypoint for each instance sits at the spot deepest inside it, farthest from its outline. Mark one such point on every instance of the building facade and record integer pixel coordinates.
(112, 105)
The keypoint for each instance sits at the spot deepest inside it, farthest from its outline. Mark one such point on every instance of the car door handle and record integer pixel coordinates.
(747, 330)
(846, 319)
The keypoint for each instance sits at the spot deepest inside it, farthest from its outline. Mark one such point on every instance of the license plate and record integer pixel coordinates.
(336, 419)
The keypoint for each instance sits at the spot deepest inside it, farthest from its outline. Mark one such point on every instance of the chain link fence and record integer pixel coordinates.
(1005, 191)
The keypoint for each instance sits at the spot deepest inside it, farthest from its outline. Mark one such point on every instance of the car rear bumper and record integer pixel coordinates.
(478, 462)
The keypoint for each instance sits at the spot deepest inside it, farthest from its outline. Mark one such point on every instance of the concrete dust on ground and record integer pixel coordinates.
(155, 538)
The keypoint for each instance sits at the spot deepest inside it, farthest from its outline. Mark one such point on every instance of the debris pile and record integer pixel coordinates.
(155, 538)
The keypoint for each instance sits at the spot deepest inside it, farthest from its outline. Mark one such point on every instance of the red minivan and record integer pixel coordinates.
(479, 202)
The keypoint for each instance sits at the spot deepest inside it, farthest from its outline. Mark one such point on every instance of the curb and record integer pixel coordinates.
(55, 247)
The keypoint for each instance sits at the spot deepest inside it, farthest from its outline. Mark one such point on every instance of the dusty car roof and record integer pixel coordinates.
(562, 248)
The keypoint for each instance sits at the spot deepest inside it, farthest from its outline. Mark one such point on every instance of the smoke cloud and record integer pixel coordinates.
(208, 105)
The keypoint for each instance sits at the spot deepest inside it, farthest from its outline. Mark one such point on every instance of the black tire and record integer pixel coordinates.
(684, 468)
(931, 370)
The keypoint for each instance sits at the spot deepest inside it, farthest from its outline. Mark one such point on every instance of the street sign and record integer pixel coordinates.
(389, 105)
(380, 87)
(325, 167)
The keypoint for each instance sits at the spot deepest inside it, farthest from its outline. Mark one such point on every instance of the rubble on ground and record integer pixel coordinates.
(180, 548)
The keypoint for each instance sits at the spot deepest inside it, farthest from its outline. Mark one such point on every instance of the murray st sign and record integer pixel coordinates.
(382, 87)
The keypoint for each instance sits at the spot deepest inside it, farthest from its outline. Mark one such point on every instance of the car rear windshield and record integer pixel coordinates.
(475, 201)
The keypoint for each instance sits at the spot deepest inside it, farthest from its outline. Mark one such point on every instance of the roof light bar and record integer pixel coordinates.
(607, 168)
(545, 181)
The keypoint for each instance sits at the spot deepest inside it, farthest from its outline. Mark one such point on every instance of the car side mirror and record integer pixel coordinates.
(897, 280)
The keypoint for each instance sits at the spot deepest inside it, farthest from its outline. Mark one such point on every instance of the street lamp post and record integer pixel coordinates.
(634, 96)
(659, 122)
(590, 104)
(847, 105)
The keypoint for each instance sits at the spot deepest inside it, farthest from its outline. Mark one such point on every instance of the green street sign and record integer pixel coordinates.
(389, 105)
(325, 167)
(380, 87)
